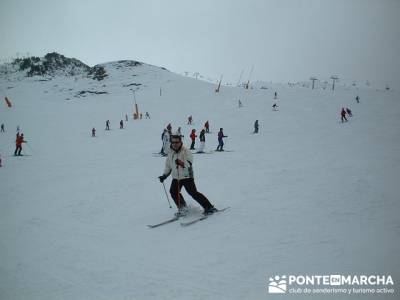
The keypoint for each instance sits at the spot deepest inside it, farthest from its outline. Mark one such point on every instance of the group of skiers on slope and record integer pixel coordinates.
(167, 133)
(121, 123)
(179, 163)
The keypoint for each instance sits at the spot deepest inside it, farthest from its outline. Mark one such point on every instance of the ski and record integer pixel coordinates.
(158, 155)
(165, 222)
(203, 217)
(204, 152)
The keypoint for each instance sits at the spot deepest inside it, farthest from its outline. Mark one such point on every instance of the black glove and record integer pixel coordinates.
(162, 178)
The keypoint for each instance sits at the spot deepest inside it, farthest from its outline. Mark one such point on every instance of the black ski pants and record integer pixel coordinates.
(191, 189)
(18, 150)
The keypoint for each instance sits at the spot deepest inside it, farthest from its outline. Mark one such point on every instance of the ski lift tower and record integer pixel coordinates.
(136, 109)
(313, 80)
(334, 78)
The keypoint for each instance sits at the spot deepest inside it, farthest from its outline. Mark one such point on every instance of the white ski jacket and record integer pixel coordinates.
(177, 171)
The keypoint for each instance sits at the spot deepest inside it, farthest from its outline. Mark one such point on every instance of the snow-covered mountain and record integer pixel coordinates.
(308, 194)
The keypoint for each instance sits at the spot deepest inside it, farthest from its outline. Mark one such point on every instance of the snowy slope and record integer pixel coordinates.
(309, 195)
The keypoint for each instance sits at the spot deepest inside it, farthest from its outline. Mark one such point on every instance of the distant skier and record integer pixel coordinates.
(240, 104)
(358, 99)
(202, 138)
(108, 125)
(348, 110)
(146, 115)
(166, 142)
(193, 137)
(275, 107)
(18, 144)
(220, 140)
(190, 119)
(275, 95)
(179, 131)
(141, 115)
(93, 132)
(179, 163)
(2, 127)
(162, 141)
(343, 115)
(256, 126)
(207, 126)
(121, 124)
(126, 117)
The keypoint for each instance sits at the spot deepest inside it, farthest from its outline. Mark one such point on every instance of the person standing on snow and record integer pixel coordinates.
(162, 140)
(207, 126)
(165, 139)
(179, 163)
(121, 124)
(93, 132)
(18, 144)
(2, 127)
(256, 126)
(343, 115)
(202, 138)
(348, 110)
(108, 125)
(220, 140)
(193, 137)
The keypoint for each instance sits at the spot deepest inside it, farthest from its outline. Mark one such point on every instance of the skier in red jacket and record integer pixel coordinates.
(18, 144)
(193, 137)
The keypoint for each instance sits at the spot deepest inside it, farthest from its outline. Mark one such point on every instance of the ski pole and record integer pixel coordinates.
(30, 147)
(166, 194)
(178, 190)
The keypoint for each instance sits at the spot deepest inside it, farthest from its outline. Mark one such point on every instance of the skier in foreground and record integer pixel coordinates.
(179, 163)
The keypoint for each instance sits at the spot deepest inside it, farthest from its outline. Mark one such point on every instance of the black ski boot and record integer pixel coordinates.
(210, 211)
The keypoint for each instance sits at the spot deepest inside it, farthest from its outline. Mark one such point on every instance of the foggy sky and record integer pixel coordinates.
(285, 40)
